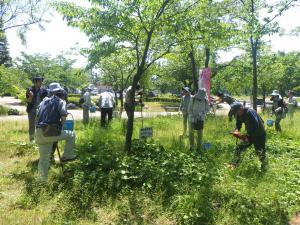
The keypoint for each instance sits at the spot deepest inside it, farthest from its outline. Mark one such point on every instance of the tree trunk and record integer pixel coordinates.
(264, 96)
(254, 71)
(194, 72)
(207, 57)
(130, 121)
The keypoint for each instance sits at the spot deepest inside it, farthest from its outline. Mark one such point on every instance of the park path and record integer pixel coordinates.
(11, 102)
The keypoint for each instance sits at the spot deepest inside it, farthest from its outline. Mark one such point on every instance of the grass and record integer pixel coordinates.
(155, 184)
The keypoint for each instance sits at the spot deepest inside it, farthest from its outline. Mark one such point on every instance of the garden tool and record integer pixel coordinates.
(59, 155)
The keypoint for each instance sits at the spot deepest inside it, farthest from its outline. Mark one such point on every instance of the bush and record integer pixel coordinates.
(74, 100)
(14, 112)
(163, 99)
(3, 110)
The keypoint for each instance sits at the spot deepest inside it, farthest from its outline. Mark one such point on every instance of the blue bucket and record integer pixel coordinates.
(93, 109)
(270, 122)
(206, 145)
(69, 124)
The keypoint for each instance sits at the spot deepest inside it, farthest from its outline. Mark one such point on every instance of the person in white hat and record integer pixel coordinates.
(51, 114)
(292, 105)
(198, 107)
(184, 104)
(87, 103)
(279, 108)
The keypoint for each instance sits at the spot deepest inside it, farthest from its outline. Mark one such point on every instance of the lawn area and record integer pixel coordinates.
(160, 182)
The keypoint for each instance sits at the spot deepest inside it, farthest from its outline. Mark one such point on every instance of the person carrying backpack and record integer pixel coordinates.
(197, 109)
(279, 108)
(51, 114)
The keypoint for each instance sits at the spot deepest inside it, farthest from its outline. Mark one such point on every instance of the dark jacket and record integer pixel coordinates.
(254, 124)
(43, 94)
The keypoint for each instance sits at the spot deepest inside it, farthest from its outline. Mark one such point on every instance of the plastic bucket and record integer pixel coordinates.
(93, 109)
(270, 122)
(69, 124)
(206, 145)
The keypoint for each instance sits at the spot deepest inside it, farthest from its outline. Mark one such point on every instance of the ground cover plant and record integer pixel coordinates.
(159, 182)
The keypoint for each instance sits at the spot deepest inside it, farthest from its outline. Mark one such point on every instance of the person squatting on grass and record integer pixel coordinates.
(51, 114)
(292, 105)
(198, 107)
(34, 96)
(184, 105)
(87, 103)
(278, 108)
(106, 104)
(256, 133)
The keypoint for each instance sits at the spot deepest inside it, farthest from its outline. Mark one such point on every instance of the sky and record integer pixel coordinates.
(58, 38)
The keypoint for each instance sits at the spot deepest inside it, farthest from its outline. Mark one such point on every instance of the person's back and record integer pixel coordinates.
(52, 113)
(106, 100)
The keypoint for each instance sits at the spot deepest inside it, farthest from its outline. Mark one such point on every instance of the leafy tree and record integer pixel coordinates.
(117, 70)
(248, 19)
(12, 81)
(59, 69)
(21, 14)
(5, 58)
(149, 28)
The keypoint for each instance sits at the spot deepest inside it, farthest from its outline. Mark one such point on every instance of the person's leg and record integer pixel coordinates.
(260, 149)
(185, 120)
(31, 123)
(239, 149)
(110, 114)
(191, 136)
(69, 137)
(85, 114)
(43, 165)
(199, 139)
(103, 115)
(277, 122)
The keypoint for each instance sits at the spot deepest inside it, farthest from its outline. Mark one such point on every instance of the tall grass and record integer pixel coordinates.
(160, 182)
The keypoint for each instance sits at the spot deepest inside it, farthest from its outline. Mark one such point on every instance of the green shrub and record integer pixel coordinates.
(14, 112)
(3, 110)
(162, 99)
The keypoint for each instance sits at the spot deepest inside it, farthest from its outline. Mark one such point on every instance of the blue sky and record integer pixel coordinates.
(58, 37)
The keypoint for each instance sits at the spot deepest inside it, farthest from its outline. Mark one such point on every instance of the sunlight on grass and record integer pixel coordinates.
(167, 185)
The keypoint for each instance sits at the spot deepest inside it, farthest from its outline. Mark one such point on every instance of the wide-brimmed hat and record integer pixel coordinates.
(187, 89)
(234, 107)
(275, 93)
(54, 87)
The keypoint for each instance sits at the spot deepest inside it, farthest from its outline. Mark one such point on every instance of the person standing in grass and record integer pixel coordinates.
(87, 103)
(34, 96)
(51, 115)
(127, 104)
(197, 109)
(256, 133)
(278, 108)
(292, 105)
(184, 104)
(106, 104)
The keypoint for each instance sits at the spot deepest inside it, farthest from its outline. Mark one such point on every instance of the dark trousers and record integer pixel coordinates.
(106, 112)
(259, 145)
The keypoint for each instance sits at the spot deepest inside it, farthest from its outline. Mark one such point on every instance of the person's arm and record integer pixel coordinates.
(29, 95)
(238, 125)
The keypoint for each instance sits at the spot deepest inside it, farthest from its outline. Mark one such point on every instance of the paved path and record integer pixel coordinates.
(16, 104)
